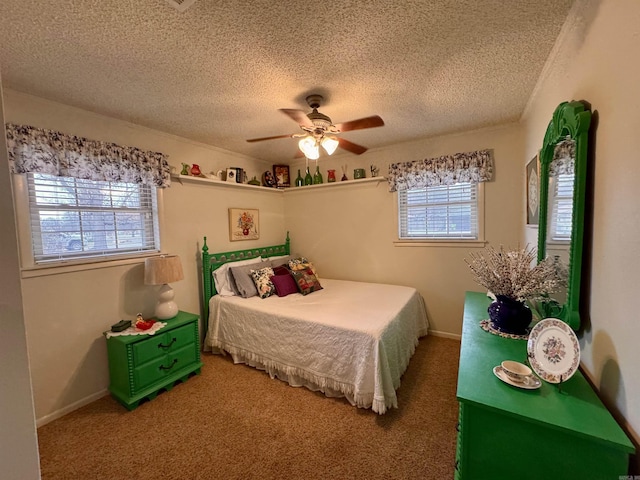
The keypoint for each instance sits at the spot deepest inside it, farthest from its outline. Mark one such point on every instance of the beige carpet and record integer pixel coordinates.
(234, 422)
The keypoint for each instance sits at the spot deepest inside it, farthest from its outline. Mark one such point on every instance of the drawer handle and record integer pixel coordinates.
(167, 346)
(162, 367)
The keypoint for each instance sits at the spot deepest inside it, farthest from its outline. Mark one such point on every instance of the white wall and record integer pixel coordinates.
(18, 442)
(348, 231)
(66, 313)
(597, 60)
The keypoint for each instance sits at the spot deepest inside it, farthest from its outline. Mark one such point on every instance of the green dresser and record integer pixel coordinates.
(141, 365)
(548, 433)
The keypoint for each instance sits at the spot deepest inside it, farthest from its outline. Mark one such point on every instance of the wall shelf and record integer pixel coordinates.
(203, 180)
(219, 183)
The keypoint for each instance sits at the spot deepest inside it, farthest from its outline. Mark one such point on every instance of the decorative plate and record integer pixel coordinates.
(553, 350)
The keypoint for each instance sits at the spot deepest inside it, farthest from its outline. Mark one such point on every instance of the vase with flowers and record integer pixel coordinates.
(516, 281)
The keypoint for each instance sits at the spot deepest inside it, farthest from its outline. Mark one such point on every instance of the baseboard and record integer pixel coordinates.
(70, 408)
(453, 336)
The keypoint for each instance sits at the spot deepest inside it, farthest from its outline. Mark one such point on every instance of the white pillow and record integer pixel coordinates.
(222, 276)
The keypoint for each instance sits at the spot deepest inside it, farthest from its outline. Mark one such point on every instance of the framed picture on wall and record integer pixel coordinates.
(533, 190)
(244, 224)
(281, 174)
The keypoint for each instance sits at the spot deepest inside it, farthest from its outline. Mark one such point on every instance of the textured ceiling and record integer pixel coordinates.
(218, 72)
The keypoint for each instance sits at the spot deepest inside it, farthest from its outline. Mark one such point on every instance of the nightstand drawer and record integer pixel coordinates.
(159, 368)
(159, 345)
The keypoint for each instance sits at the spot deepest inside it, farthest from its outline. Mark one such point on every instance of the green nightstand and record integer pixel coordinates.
(141, 365)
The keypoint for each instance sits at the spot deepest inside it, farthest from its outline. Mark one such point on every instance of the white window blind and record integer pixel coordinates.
(439, 212)
(73, 218)
(561, 211)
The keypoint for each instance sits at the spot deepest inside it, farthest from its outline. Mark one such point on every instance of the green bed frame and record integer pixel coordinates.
(211, 261)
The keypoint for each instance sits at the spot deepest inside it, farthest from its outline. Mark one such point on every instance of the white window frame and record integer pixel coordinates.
(556, 182)
(28, 264)
(445, 242)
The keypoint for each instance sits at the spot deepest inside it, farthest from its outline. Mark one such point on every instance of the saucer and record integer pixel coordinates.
(532, 382)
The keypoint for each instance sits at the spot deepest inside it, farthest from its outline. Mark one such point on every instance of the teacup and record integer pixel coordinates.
(516, 371)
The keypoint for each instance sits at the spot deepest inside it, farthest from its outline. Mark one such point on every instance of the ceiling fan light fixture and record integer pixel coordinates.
(309, 147)
(329, 144)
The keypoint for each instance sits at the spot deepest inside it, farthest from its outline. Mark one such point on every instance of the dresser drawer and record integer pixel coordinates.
(157, 346)
(168, 364)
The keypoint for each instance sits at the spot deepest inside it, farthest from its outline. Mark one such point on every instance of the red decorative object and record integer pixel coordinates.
(144, 324)
(195, 170)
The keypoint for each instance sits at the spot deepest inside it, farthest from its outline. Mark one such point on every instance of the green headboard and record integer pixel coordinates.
(211, 261)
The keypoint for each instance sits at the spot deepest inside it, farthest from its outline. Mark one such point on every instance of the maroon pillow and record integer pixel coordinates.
(285, 285)
(281, 270)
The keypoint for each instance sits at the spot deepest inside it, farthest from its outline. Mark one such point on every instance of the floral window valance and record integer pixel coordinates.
(470, 167)
(45, 151)
(564, 158)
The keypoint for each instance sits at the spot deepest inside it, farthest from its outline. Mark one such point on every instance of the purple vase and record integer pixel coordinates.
(509, 315)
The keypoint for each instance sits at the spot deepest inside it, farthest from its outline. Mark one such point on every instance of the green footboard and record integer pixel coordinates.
(211, 261)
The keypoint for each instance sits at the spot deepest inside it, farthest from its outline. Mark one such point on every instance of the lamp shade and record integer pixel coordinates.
(329, 144)
(309, 147)
(162, 270)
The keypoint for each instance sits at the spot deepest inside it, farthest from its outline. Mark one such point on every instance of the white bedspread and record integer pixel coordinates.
(351, 338)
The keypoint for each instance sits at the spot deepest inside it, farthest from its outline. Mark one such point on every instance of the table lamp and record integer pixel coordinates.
(163, 270)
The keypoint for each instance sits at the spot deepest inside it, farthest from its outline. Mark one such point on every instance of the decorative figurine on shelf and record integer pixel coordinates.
(344, 173)
(195, 170)
(185, 169)
(254, 181)
(331, 176)
(374, 170)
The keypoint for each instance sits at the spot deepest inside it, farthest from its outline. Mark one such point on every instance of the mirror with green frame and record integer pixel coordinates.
(563, 178)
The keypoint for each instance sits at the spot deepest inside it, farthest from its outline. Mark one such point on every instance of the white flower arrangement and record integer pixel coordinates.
(515, 274)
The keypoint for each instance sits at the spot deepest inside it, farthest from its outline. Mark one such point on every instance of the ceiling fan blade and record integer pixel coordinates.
(352, 147)
(268, 138)
(367, 122)
(297, 116)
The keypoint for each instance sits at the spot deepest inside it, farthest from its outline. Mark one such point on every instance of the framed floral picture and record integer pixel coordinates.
(281, 174)
(533, 190)
(244, 224)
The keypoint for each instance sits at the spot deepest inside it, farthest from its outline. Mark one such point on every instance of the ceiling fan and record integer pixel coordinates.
(320, 131)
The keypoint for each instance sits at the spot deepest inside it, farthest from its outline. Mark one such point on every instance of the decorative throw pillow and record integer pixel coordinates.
(301, 263)
(306, 281)
(262, 279)
(284, 284)
(281, 270)
(242, 280)
(222, 276)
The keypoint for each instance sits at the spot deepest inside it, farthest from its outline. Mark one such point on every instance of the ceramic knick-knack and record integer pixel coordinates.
(185, 169)
(317, 177)
(299, 180)
(331, 176)
(308, 179)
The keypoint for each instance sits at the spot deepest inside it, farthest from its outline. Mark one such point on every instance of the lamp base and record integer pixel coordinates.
(166, 308)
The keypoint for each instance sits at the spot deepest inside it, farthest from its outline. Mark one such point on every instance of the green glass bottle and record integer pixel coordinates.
(308, 179)
(317, 177)
(299, 180)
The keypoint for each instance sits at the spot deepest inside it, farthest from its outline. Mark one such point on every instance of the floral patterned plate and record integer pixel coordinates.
(553, 350)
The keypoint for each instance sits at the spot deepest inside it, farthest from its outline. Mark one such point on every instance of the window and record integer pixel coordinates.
(561, 207)
(72, 218)
(440, 212)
